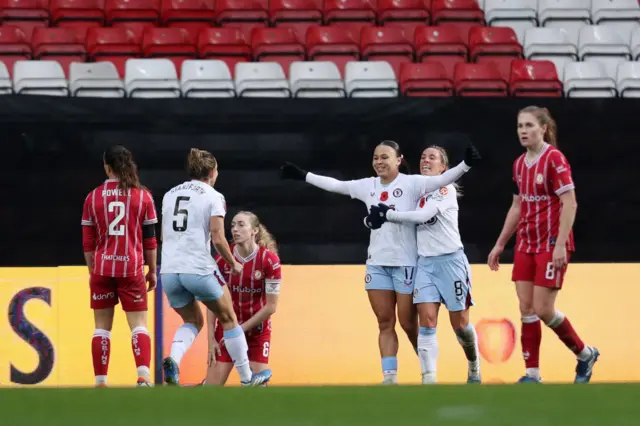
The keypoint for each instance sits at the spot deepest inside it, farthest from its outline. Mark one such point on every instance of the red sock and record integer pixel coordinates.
(563, 328)
(530, 339)
(141, 345)
(100, 351)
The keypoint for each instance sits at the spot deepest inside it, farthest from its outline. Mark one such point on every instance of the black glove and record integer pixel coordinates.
(291, 171)
(377, 216)
(471, 155)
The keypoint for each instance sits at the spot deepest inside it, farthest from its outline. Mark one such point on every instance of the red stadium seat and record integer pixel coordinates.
(192, 15)
(333, 44)
(408, 14)
(114, 45)
(428, 79)
(534, 79)
(386, 44)
(25, 14)
(243, 14)
(296, 14)
(79, 15)
(174, 44)
(352, 15)
(494, 44)
(59, 44)
(443, 45)
(277, 45)
(14, 46)
(463, 14)
(226, 44)
(478, 80)
(132, 11)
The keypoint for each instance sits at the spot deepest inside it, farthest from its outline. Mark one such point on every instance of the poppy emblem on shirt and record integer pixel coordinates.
(443, 191)
(397, 192)
(422, 201)
(384, 196)
(539, 178)
(257, 275)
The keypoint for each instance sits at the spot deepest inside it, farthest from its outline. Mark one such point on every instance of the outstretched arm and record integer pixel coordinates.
(328, 183)
(431, 183)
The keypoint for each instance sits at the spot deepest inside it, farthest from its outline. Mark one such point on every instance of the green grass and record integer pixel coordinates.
(493, 405)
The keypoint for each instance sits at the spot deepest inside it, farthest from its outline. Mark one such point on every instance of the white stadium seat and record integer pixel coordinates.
(571, 15)
(519, 15)
(206, 79)
(628, 81)
(261, 80)
(550, 44)
(319, 79)
(39, 78)
(371, 79)
(95, 79)
(622, 15)
(6, 85)
(151, 78)
(603, 44)
(635, 44)
(588, 80)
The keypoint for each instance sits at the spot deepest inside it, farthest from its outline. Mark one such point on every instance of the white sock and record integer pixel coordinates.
(182, 341)
(101, 380)
(428, 350)
(468, 340)
(236, 343)
(533, 372)
(585, 353)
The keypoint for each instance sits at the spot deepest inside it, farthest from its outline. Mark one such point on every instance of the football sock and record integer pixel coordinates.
(100, 351)
(428, 350)
(236, 344)
(531, 338)
(469, 342)
(182, 341)
(563, 328)
(141, 346)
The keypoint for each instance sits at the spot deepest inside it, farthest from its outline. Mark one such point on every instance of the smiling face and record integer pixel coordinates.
(386, 162)
(433, 162)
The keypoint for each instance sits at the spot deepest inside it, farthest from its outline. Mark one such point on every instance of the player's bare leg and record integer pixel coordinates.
(218, 373)
(383, 303)
(183, 339)
(408, 318)
(531, 332)
(141, 346)
(101, 344)
(544, 304)
(466, 334)
(427, 341)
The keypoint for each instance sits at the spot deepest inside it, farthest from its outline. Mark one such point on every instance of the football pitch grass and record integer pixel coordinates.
(442, 405)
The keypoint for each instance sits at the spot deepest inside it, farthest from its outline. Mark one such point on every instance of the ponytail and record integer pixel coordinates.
(265, 239)
(121, 162)
(404, 167)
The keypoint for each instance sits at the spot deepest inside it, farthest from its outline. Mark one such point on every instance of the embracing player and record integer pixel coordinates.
(118, 236)
(542, 212)
(255, 296)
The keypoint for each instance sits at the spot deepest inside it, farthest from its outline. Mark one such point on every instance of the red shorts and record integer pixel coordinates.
(259, 347)
(538, 268)
(107, 291)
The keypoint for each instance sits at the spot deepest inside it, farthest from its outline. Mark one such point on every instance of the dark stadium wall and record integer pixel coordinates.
(52, 158)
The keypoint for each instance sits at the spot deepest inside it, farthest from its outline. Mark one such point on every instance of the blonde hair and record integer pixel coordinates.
(263, 237)
(444, 157)
(544, 119)
(200, 163)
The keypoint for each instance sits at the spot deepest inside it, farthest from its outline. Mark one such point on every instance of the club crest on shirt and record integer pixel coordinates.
(443, 191)
(397, 192)
(539, 178)
(257, 275)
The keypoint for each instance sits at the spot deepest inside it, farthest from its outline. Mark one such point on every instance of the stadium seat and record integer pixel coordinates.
(603, 44)
(242, 14)
(373, 79)
(635, 44)
(622, 15)
(516, 14)
(151, 78)
(461, 14)
(191, 15)
(628, 80)
(226, 44)
(277, 45)
(125, 12)
(569, 15)
(14, 46)
(60, 44)
(498, 45)
(479, 80)
(443, 45)
(114, 45)
(96, 80)
(79, 15)
(428, 79)
(550, 44)
(351, 15)
(170, 43)
(386, 44)
(6, 84)
(534, 79)
(319, 79)
(25, 14)
(39, 78)
(299, 15)
(407, 14)
(332, 44)
(588, 80)
(206, 79)
(261, 80)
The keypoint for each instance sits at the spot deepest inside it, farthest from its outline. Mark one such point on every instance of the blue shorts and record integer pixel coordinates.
(444, 279)
(182, 289)
(392, 278)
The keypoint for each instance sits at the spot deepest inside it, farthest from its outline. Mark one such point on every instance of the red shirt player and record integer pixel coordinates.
(118, 236)
(543, 211)
(254, 293)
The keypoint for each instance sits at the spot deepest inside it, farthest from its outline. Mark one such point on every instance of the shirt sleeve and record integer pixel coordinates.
(426, 184)
(87, 218)
(218, 205)
(434, 204)
(559, 173)
(150, 215)
(359, 189)
(272, 273)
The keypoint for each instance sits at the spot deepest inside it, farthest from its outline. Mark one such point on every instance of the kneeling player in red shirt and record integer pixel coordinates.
(255, 296)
